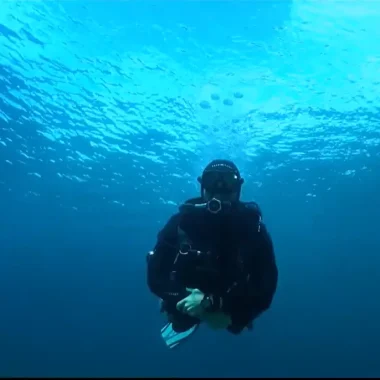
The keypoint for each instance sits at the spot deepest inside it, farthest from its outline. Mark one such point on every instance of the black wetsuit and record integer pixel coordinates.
(229, 257)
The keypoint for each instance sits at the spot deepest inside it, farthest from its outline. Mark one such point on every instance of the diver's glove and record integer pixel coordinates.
(197, 305)
(192, 305)
(180, 322)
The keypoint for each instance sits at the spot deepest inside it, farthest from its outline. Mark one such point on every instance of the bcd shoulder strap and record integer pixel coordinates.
(251, 215)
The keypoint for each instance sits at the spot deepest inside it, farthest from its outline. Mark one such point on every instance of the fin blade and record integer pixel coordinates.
(172, 339)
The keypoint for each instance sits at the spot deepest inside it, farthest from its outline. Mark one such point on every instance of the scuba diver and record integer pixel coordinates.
(213, 262)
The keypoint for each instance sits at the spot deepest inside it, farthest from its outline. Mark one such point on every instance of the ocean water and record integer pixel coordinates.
(110, 110)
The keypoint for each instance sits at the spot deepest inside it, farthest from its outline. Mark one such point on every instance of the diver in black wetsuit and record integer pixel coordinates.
(214, 261)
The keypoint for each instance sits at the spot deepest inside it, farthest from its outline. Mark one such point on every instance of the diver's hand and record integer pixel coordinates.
(216, 320)
(192, 304)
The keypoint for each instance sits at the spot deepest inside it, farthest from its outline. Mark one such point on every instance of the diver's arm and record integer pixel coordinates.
(254, 295)
(160, 264)
(248, 297)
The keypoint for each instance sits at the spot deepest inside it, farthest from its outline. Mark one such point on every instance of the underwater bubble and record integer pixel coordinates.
(215, 97)
(205, 105)
(238, 95)
(228, 102)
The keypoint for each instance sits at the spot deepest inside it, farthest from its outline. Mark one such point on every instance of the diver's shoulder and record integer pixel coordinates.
(171, 225)
(250, 214)
(250, 207)
(174, 219)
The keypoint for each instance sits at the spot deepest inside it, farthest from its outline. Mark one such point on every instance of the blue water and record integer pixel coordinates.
(110, 110)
